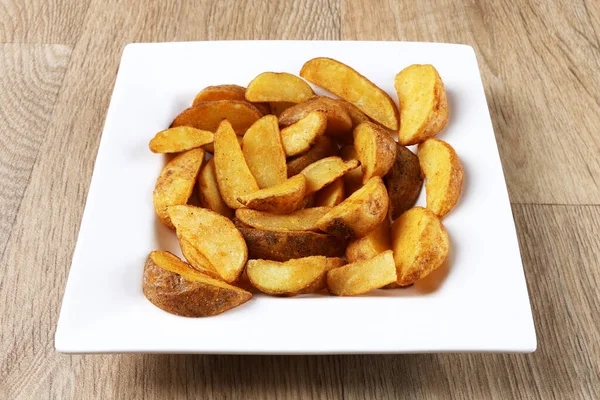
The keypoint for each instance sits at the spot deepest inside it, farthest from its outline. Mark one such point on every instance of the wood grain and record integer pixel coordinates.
(539, 63)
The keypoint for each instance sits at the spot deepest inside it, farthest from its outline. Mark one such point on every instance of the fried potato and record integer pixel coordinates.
(420, 243)
(423, 103)
(280, 199)
(211, 146)
(338, 120)
(352, 179)
(300, 136)
(282, 246)
(356, 116)
(175, 287)
(278, 87)
(227, 92)
(329, 263)
(213, 235)
(376, 149)
(208, 115)
(403, 181)
(196, 259)
(176, 182)
(324, 147)
(208, 191)
(287, 278)
(323, 172)
(362, 276)
(182, 138)
(360, 213)
(345, 82)
(277, 107)
(301, 220)
(331, 195)
(443, 173)
(375, 242)
(263, 151)
(233, 175)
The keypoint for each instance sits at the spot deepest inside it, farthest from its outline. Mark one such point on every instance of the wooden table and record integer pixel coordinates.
(540, 62)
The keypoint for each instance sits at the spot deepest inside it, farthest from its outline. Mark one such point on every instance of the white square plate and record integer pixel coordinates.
(476, 302)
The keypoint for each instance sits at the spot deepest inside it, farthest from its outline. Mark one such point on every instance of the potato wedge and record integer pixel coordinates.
(352, 179)
(277, 107)
(329, 263)
(208, 191)
(331, 195)
(376, 149)
(362, 276)
(264, 154)
(423, 103)
(208, 115)
(287, 278)
(227, 92)
(283, 198)
(175, 287)
(324, 172)
(196, 259)
(282, 246)
(324, 147)
(301, 220)
(375, 242)
(213, 235)
(338, 120)
(345, 82)
(403, 181)
(176, 182)
(210, 148)
(443, 173)
(360, 213)
(182, 138)
(356, 116)
(420, 243)
(233, 175)
(299, 137)
(278, 87)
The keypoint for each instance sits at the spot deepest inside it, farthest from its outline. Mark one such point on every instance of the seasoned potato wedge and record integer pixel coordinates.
(420, 243)
(208, 191)
(228, 92)
(287, 278)
(282, 246)
(376, 149)
(182, 138)
(208, 115)
(329, 263)
(300, 136)
(360, 213)
(375, 242)
(324, 147)
(338, 120)
(345, 82)
(176, 182)
(323, 172)
(175, 287)
(281, 199)
(233, 175)
(357, 116)
(352, 179)
(301, 220)
(277, 107)
(403, 181)
(196, 259)
(263, 151)
(331, 195)
(213, 235)
(278, 87)
(362, 276)
(444, 174)
(423, 103)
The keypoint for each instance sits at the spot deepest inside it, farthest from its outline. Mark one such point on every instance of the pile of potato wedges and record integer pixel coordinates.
(275, 189)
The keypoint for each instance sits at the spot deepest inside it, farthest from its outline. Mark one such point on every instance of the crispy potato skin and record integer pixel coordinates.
(359, 214)
(357, 116)
(376, 149)
(338, 120)
(195, 295)
(323, 147)
(176, 182)
(403, 181)
(277, 107)
(423, 103)
(264, 154)
(208, 115)
(420, 243)
(282, 246)
(278, 87)
(444, 173)
(283, 198)
(373, 243)
(362, 276)
(208, 191)
(347, 83)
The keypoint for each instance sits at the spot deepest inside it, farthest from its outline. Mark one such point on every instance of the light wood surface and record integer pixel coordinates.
(540, 62)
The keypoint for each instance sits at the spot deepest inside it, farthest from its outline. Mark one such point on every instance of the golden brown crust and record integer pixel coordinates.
(403, 181)
(323, 147)
(208, 115)
(278, 87)
(376, 149)
(338, 120)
